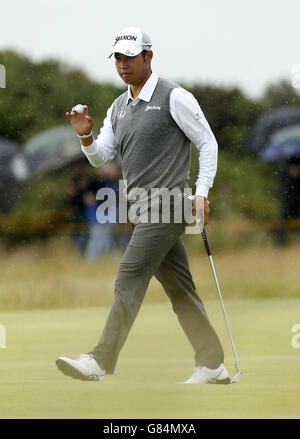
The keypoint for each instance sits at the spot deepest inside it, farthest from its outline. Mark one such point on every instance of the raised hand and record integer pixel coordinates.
(82, 123)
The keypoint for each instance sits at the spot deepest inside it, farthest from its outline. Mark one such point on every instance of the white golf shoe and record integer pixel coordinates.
(85, 368)
(203, 375)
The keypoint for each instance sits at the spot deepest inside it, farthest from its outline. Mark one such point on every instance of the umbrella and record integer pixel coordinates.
(269, 124)
(289, 133)
(52, 150)
(281, 150)
(13, 174)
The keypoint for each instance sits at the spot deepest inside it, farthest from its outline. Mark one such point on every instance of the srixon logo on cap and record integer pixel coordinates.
(125, 37)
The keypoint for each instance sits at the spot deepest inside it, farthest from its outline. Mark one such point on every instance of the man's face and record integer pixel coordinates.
(133, 69)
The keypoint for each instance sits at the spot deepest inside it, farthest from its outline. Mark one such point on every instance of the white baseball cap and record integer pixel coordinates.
(131, 41)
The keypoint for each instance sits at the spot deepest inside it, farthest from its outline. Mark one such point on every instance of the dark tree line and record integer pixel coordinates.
(37, 96)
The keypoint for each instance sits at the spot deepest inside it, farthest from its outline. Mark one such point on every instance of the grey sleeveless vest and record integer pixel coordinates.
(154, 151)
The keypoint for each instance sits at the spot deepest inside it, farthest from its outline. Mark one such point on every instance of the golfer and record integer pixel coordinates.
(151, 127)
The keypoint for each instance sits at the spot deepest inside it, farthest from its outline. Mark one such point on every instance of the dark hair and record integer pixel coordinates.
(144, 54)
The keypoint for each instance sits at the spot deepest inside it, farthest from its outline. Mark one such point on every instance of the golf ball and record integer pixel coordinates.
(79, 108)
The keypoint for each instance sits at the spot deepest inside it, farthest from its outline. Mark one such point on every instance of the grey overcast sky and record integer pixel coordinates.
(250, 43)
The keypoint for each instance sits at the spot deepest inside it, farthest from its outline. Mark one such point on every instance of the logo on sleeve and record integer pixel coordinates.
(197, 116)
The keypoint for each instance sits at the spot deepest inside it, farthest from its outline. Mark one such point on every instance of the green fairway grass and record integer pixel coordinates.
(155, 357)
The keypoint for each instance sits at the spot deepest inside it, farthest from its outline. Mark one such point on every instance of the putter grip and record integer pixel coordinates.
(203, 233)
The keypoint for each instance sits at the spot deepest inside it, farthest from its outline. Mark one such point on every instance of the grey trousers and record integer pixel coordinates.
(156, 249)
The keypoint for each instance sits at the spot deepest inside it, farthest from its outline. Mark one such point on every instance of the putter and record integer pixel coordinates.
(238, 375)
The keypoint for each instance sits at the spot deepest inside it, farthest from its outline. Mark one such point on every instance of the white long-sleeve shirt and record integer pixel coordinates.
(186, 112)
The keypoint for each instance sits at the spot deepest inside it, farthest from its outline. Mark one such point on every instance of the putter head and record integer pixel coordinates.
(236, 378)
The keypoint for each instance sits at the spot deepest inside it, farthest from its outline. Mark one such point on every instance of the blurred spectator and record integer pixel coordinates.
(101, 236)
(289, 188)
(74, 196)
